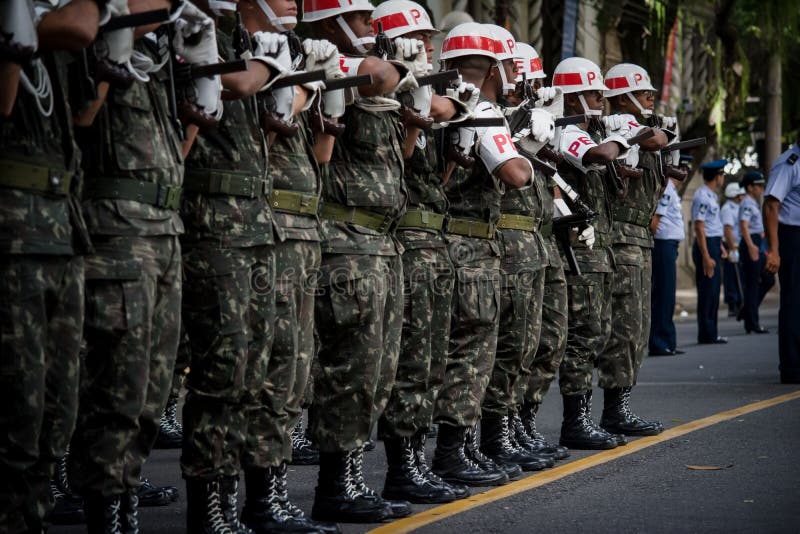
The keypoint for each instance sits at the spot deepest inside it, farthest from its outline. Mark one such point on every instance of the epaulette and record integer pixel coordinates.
(791, 160)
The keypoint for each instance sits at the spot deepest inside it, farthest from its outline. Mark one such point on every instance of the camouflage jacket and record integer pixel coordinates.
(33, 222)
(593, 190)
(133, 138)
(293, 167)
(235, 146)
(425, 191)
(641, 201)
(366, 171)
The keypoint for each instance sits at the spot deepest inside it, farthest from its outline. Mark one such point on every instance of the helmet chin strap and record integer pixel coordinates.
(508, 88)
(586, 110)
(277, 22)
(644, 112)
(358, 43)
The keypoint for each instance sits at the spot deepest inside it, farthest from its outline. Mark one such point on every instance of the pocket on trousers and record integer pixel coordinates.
(478, 297)
(115, 299)
(354, 302)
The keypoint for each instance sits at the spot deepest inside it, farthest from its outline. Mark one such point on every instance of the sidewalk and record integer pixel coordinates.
(686, 300)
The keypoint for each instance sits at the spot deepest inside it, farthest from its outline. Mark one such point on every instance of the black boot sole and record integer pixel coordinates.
(631, 432)
(417, 498)
(589, 445)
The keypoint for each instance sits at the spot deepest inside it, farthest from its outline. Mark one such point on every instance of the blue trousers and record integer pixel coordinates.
(662, 299)
(789, 315)
(707, 291)
(756, 282)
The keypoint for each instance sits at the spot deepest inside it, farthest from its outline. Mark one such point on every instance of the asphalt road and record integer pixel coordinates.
(651, 490)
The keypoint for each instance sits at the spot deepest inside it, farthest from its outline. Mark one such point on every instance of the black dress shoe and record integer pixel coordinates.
(678, 351)
(661, 352)
(757, 330)
(719, 341)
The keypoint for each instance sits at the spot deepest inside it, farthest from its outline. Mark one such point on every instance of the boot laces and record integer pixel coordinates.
(275, 505)
(55, 491)
(351, 489)
(357, 460)
(215, 516)
(113, 513)
(409, 459)
(133, 513)
(171, 414)
(63, 480)
(283, 493)
(472, 452)
(299, 439)
(232, 517)
(422, 462)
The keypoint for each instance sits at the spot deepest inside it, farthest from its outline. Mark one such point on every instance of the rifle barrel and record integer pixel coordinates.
(438, 77)
(137, 19)
(344, 83)
(201, 71)
(690, 143)
(572, 119)
(481, 122)
(299, 79)
(645, 135)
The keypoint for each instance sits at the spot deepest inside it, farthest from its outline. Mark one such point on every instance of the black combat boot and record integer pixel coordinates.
(521, 440)
(418, 444)
(151, 495)
(130, 512)
(304, 452)
(298, 516)
(67, 510)
(578, 430)
(229, 496)
(403, 478)
(451, 462)
(618, 417)
(399, 508)
(170, 430)
(527, 417)
(473, 451)
(204, 510)
(103, 514)
(336, 497)
(495, 444)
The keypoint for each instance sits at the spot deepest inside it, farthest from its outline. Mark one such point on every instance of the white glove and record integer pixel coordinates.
(546, 94)
(411, 52)
(407, 83)
(669, 123)
(272, 49)
(631, 158)
(542, 126)
(614, 123)
(465, 92)
(112, 8)
(733, 256)
(322, 55)
(422, 100)
(464, 139)
(333, 103)
(193, 22)
(587, 236)
(18, 39)
(114, 49)
(207, 96)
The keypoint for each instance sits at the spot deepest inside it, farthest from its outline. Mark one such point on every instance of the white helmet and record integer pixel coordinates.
(315, 10)
(279, 23)
(733, 190)
(399, 17)
(529, 64)
(626, 78)
(469, 39)
(506, 44)
(577, 74)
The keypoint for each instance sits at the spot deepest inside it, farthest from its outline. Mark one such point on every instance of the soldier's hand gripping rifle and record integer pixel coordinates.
(619, 175)
(672, 169)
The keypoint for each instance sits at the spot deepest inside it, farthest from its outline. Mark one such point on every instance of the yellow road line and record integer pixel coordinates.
(438, 513)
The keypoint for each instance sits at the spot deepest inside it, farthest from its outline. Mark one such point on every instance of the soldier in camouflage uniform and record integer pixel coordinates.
(521, 292)
(427, 285)
(474, 210)
(41, 270)
(358, 309)
(229, 298)
(134, 171)
(632, 100)
(587, 152)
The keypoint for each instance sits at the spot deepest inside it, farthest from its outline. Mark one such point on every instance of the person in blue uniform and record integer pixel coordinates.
(756, 281)
(732, 269)
(782, 225)
(708, 251)
(668, 231)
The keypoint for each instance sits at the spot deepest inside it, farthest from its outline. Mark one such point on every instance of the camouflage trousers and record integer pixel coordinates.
(227, 303)
(133, 314)
(427, 294)
(474, 320)
(589, 320)
(40, 335)
(538, 376)
(296, 269)
(359, 314)
(183, 362)
(618, 366)
(521, 293)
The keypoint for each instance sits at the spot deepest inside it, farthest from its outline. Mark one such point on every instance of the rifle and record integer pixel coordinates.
(677, 172)
(164, 35)
(185, 72)
(323, 124)
(689, 143)
(620, 174)
(384, 48)
(156, 16)
(561, 229)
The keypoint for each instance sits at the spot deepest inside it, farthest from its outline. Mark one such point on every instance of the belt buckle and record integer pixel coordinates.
(386, 224)
(55, 181)
(168, 197)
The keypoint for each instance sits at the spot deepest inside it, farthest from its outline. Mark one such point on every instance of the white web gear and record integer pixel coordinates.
(399, 17)
(469, 39)
(357, 42)
(577, 74)
(278, 22)
(529, 64)
(626, 78)
(218, 6)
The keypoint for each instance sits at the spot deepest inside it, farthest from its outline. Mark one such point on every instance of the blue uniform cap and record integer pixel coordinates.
(713, 168)
(753, 177)
(685, 159)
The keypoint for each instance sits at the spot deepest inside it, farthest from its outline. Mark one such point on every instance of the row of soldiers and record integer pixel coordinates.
(441, 253)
